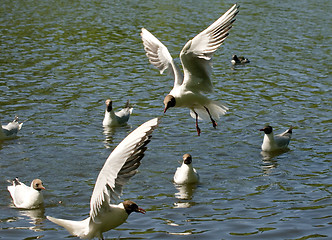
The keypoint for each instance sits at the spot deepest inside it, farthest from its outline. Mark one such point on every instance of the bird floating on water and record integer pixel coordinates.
(196, 61)
(119, 167)
(27, 197)
(239, 60)
(277, 142)
(186, 174)
(10, 130)
(119, 118)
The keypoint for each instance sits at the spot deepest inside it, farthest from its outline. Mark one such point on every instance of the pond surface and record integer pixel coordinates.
(59, 62)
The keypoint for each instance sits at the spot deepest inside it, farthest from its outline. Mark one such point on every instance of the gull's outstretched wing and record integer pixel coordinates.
(120, 166)
(159, 56)
(197, 53)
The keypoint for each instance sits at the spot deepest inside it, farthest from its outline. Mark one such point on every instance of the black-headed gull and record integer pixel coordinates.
(27, 197)
(116, 118)
(186, 174)
(277, 142)
(119, 167)
(239, 60)
(196, 62)
(10, 130)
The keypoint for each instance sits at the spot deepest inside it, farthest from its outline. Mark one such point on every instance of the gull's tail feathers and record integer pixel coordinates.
(128, 106)
(19, 124)
(215, 108)
(76, 228)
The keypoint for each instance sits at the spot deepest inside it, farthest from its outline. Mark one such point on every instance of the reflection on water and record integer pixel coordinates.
(36, 217)
(185, 192)
(270, 155)
(269, 161)
(268, 166)
(108, 132)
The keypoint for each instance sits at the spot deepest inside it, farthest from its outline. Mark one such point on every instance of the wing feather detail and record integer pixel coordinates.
(197, 53)
(159, 56)
(120, 166)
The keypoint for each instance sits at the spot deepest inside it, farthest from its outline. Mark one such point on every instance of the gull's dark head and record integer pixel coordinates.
(130, 207)
(169, 101)
(37, 184)
(235, 58)
(266, 129)
(108, 103)
(187, 159)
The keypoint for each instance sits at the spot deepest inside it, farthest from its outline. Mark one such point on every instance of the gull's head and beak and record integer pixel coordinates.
(169, 101)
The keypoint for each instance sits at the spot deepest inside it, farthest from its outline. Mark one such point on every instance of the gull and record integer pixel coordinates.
(196, 62)
(278, 142)
(119, 167)
(10, 130)
(27, 197)
(186, 174)
(239, 60)
(116, 118)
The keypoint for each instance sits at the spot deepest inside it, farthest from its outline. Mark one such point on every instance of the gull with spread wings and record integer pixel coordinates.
(119, 167)
(196, 63)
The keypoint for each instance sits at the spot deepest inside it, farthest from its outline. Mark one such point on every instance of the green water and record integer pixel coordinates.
(59, 62)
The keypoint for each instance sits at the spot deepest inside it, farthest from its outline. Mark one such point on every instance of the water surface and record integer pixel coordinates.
(59, 62)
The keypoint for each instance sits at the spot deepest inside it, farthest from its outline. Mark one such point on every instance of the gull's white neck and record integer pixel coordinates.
(268, 142)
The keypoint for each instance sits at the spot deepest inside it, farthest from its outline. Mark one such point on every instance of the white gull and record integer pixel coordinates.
(27, 197)
(186, 174)
(10, 130)
(196, 63)
(119, 167)
(119, 118)
(277, 142)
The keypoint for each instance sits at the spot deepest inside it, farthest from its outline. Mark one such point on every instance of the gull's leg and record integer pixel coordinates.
(214, 123)
(197, 128)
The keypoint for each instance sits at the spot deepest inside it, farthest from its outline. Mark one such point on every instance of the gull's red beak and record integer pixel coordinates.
(141, 210)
